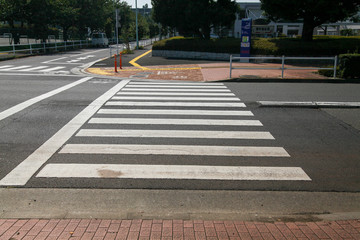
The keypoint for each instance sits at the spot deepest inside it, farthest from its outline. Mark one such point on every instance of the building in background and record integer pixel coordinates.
(264, 28)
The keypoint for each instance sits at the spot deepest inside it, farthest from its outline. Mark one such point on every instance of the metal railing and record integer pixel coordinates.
(114, 49)
(43, 47)
(283, 59)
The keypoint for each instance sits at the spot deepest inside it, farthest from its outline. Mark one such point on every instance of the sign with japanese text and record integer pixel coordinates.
(246, 25)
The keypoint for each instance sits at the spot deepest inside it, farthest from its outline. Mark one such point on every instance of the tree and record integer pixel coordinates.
(65, 15)
(40, 18)
(194, 17)
(313, 13)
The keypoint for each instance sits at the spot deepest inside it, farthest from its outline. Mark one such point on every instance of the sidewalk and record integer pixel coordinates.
(174, 229)
(143, 65)
(206, 72)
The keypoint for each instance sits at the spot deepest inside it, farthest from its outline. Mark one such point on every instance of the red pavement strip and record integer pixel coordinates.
(28, 229)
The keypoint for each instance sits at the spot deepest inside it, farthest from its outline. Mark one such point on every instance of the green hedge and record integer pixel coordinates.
(349, 65)
(320, 46)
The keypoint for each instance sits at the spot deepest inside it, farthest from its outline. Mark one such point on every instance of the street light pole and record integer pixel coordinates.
(137, 28)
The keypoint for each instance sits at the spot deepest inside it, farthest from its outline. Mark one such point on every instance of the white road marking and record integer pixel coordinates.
(168, 121)
(175, 104)
(14, 68)
(242, 151)
(177, 83)
(173, 86)
(6, 66)
(76, 55)
(174, 172)
(28, 103)
(54, 60)
(25, 170)
(175, 94)
(174, 90)
(174, 112)
(174, 134)
(180, 98)
(32, 69)
(51, 69)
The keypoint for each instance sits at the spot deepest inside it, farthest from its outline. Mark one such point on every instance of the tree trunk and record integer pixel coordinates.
(308, 29)
(65, 34)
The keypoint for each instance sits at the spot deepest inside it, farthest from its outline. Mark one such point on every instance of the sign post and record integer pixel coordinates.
(246, 28)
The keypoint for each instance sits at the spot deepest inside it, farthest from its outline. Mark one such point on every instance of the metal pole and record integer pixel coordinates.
(137, 27)
(30, 49)
(230, 65)
(14, 49)
(282, 66)
(335, 65)
(117, 31)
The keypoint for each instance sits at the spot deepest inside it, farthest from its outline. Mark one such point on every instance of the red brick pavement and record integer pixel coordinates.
(76, 229)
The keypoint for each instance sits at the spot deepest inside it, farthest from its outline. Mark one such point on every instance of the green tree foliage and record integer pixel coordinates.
(76, 17)
(312, 12)
(194, 17)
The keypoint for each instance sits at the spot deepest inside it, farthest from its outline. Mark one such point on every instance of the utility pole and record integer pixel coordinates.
(117, 31)
(137, 28)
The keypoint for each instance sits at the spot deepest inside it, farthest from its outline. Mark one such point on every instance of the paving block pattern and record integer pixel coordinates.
(76, 229)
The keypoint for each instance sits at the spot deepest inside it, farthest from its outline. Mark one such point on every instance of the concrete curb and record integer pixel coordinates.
(278, 80)
(309, 104)
(178, 204)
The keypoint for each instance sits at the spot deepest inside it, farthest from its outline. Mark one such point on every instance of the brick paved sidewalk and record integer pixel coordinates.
(174, 229)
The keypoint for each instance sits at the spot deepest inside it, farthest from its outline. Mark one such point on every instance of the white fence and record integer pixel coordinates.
(43, 47)
(283, 59)
(116, 49)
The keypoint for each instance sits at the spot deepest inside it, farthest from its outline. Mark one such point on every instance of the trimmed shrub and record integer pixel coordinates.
(349, 66)
(320, 46)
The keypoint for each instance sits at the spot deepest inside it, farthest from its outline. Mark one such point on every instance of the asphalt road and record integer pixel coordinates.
(61, 129)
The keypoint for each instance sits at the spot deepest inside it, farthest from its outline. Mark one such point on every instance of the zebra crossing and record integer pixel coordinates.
(164, 119)
(29, 68)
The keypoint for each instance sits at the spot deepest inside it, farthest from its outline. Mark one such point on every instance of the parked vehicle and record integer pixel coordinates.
(99, 39)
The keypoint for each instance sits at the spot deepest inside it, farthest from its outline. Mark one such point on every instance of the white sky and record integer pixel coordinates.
(139, 2)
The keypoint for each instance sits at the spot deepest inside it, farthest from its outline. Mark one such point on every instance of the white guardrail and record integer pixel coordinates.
(43, 47)
(116, 49)
(283, 59)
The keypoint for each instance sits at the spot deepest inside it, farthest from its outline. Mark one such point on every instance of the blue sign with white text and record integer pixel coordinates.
(246, 28)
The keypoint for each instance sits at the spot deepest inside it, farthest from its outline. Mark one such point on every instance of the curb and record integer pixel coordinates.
(309, 104)
(278, 80)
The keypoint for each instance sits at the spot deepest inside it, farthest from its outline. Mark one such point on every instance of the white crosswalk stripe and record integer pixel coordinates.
(174, 172)
(180, 121)
(174, 112)
(174, 134)
(180, 98)
(28, 68)
(153, 130)
(145, 93)
(175, 104)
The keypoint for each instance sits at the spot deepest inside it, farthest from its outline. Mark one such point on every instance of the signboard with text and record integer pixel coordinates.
(246, 25)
